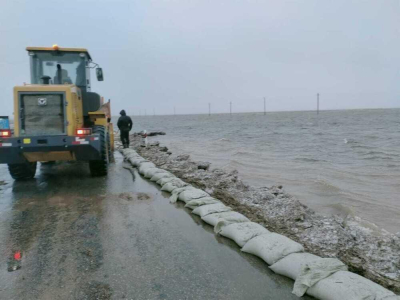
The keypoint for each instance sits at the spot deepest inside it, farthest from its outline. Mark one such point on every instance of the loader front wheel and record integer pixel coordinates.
(22, 171)
(100, 167)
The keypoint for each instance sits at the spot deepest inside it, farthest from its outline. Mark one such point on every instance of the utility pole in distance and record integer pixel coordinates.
(174, 111)
(318, 103)
(209, 109)
(230, 104)
(265, 108)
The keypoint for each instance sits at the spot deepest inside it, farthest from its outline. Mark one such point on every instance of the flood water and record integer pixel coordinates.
(337, 162)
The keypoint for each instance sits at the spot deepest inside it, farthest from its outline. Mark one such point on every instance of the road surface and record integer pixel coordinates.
(66, 235)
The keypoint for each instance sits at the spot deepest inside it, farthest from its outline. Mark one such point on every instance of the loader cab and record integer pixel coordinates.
(63, 66)
(60, 66)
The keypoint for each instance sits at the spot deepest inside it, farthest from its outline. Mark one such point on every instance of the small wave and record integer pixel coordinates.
(306, 159)
(343, 209)
(234, 162)
(356, 146)
(325, 184)
(377, 157)
(224, 140)
(245, 154)
(350, 141)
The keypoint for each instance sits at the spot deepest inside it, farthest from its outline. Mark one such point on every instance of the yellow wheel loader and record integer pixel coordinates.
(57, 117)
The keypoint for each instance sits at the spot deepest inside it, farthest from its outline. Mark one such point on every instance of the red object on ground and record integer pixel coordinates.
(17, 255)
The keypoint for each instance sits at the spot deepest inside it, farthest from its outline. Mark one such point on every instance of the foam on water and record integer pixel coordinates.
(334, 162)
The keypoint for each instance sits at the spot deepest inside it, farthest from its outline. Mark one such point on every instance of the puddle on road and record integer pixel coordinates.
(135, 196)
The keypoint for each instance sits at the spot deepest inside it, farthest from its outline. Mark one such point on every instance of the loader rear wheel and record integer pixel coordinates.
(100, 167)
(22, 171)
(110, 153)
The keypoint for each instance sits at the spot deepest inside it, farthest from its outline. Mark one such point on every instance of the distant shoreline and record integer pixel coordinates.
(267, 112)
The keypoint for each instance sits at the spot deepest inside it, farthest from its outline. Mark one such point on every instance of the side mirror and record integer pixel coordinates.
(99, 74)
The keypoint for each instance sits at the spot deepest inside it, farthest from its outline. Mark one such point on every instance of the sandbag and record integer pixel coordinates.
(201, 201)
(136, 161)
(241, 233)
(272, 247)
(347, 285)
(158, 176)
(314, 271)
(205, 210)
(192, 194)
(173, 184)
(151, 172)
(165, 180)
(213, 219)
(176, 193)
(291, 265)
(145, 166)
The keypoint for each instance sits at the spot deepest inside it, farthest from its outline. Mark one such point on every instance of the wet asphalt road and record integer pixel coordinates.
(116, 238)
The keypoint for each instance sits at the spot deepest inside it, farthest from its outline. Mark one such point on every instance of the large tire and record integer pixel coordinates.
(110, 152)
(22, 171)
(100, 167)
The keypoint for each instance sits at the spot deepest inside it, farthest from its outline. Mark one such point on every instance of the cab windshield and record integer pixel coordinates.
(58, 68)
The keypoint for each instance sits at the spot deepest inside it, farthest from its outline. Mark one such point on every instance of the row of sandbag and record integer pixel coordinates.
(322, 278)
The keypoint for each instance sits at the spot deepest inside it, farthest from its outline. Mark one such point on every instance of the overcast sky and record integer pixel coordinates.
(157, 54)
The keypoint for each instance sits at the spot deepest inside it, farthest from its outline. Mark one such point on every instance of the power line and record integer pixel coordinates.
(265, 107)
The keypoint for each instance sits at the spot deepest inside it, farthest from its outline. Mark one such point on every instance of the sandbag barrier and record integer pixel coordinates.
(322, 278)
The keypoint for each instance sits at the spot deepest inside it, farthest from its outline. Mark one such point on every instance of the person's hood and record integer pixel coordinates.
(122, 113)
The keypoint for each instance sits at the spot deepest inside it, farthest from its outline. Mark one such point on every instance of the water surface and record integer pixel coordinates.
(335, 162)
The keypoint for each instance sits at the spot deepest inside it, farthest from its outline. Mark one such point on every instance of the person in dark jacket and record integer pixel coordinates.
(125, 125)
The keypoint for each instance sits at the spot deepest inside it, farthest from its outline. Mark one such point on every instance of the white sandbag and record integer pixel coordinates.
(151, 172)
(205, 210)
(272, 247)
(173, 184)
(158, 176)
(147, 163)
(192, 194)
(144, 170)
(129, 153)
(176, 193)
(291, 265)
(241, 233)
(201, 201)
(136, 161)
(314, 271)
(165, 180)
(228, 220)
(213, 219)
(143, 167)
(346, 285)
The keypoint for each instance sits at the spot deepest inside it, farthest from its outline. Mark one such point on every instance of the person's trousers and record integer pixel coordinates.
(125, 137)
